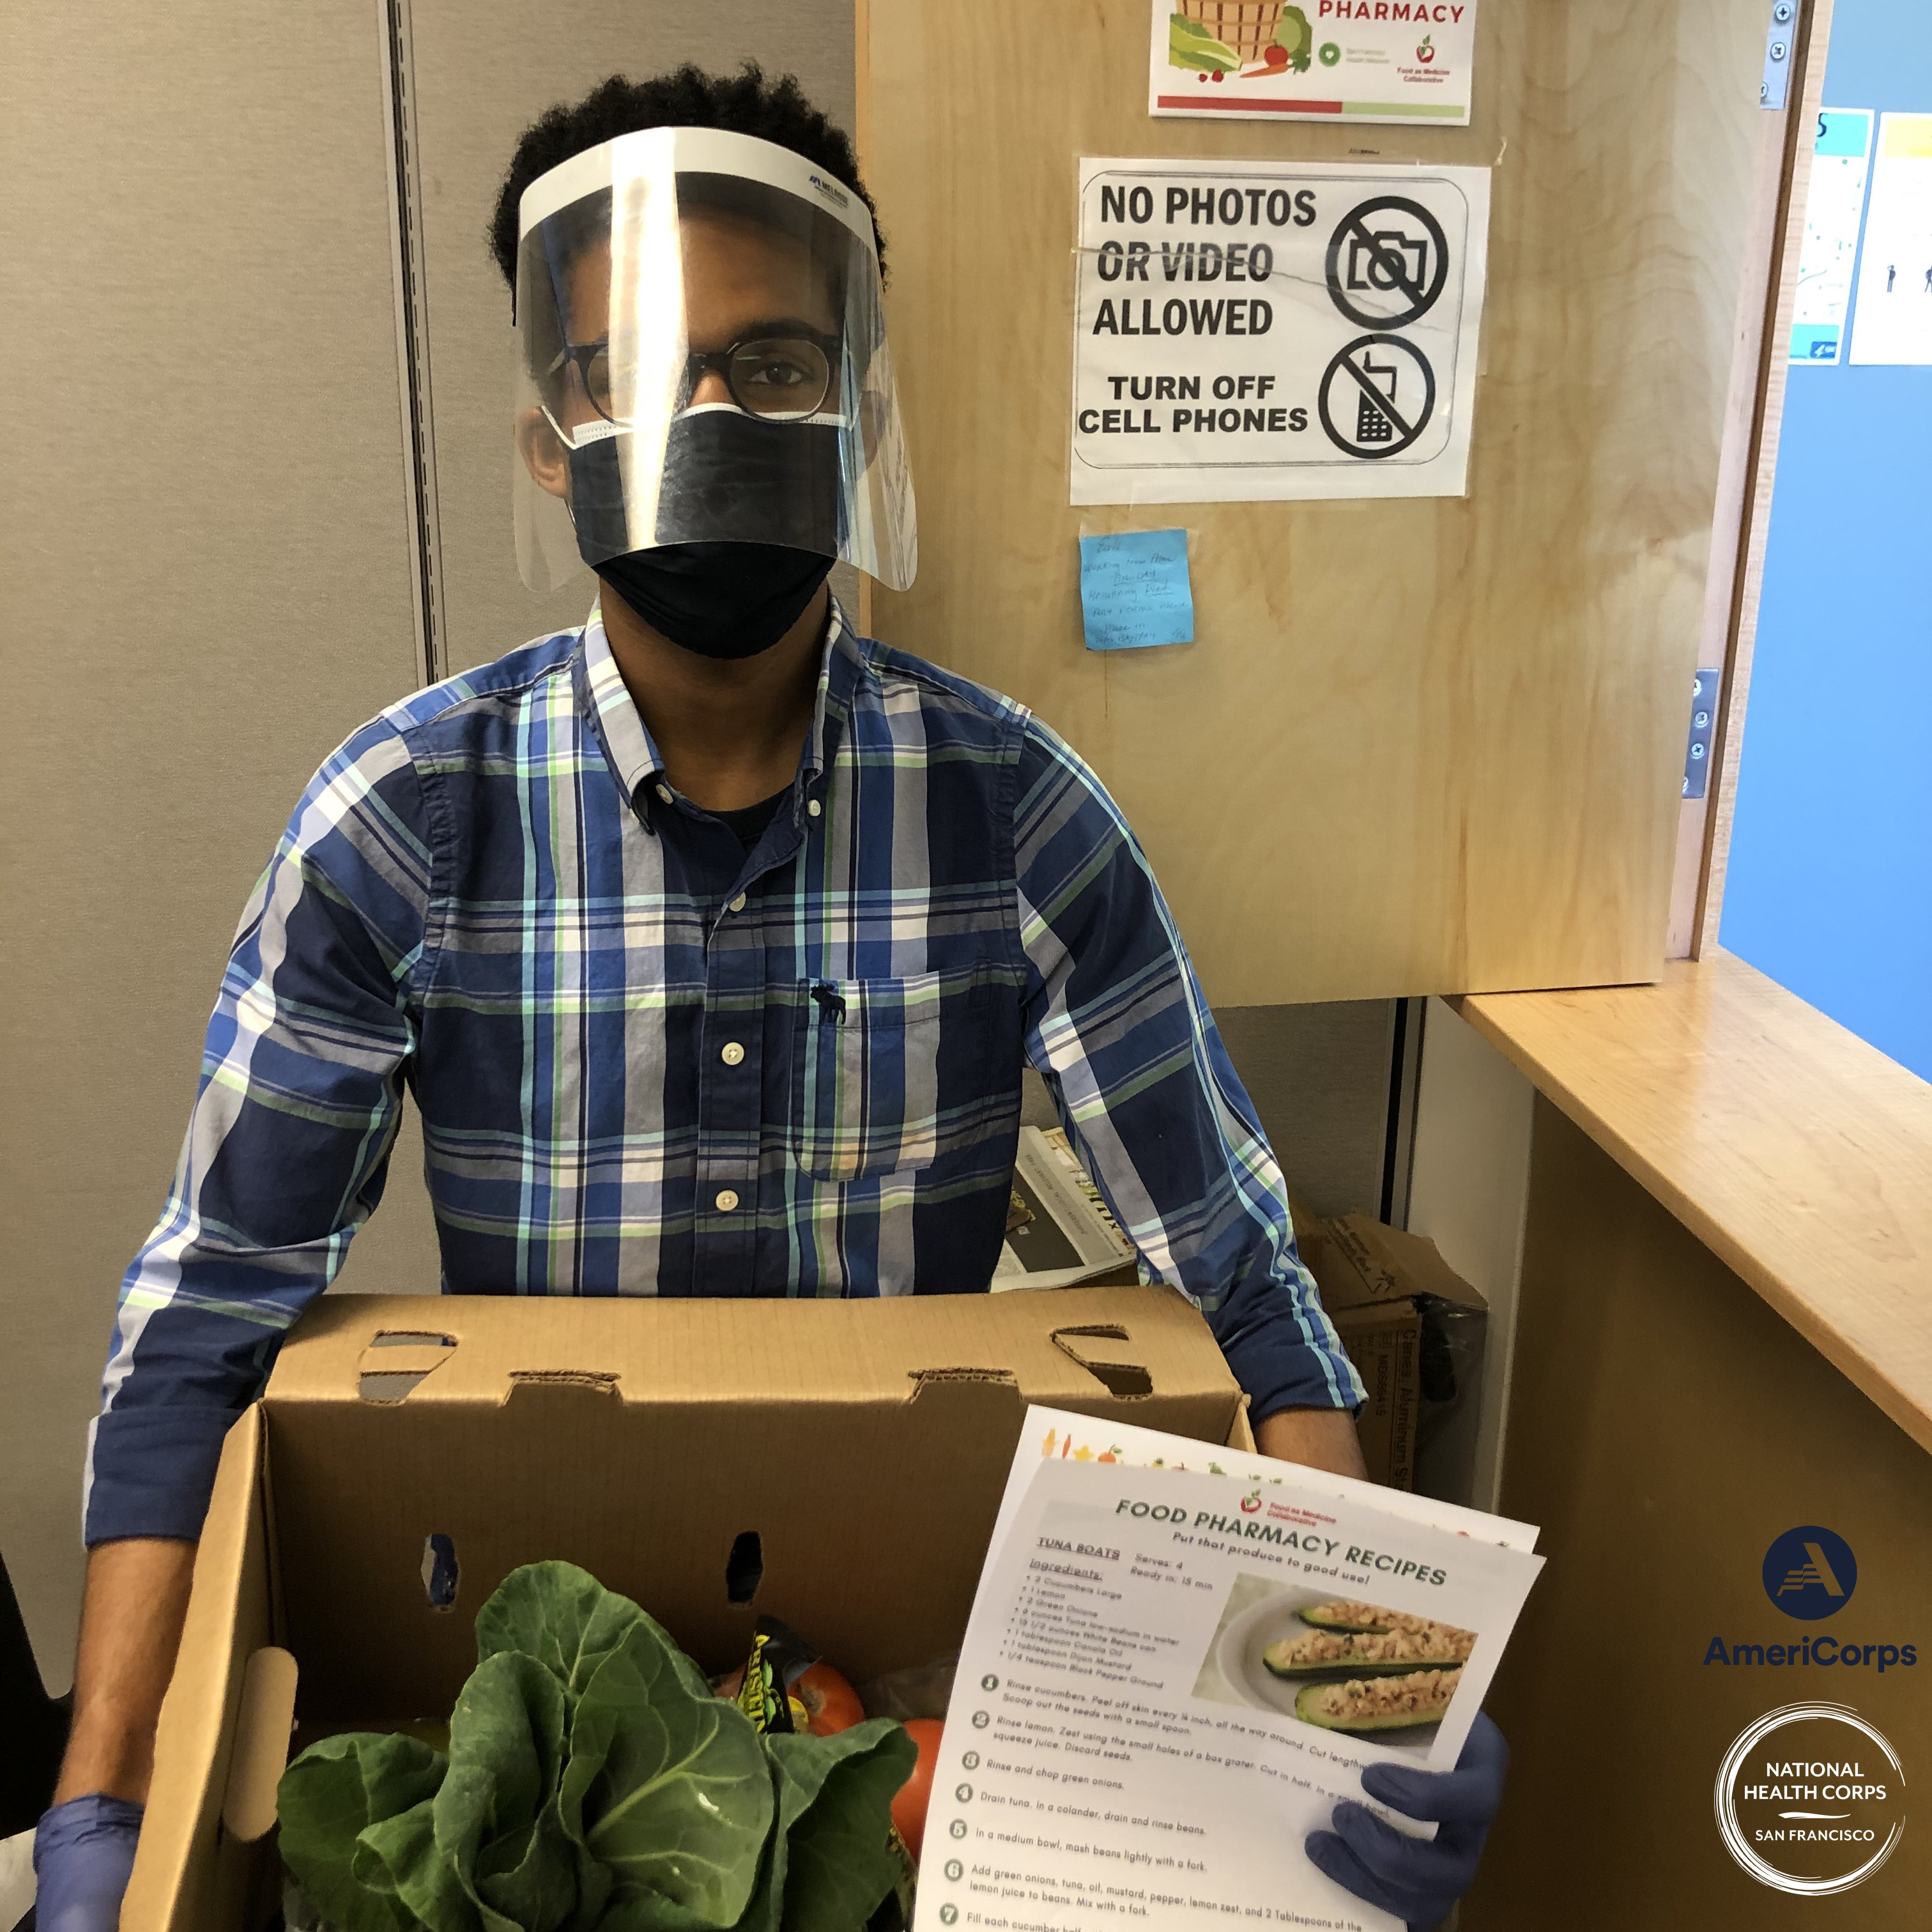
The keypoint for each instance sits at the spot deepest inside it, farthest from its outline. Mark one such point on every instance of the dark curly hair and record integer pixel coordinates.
(745, 103)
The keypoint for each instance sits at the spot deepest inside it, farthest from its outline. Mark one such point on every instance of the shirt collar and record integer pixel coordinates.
(606, 700)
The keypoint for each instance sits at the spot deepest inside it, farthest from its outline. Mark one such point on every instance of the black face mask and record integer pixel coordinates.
(721, 600)
(770, 489)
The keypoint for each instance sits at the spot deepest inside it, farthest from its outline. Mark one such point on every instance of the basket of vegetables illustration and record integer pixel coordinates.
(1217, 36)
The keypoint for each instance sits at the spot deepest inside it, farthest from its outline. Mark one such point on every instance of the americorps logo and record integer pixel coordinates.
(1810, 1572)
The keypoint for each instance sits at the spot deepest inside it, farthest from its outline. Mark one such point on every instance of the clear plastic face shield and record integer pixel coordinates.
(701, 358)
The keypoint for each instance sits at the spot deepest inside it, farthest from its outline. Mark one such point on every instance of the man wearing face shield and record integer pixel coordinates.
(711, 937)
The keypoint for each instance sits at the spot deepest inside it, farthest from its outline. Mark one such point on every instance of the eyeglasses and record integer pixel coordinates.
(782, 378)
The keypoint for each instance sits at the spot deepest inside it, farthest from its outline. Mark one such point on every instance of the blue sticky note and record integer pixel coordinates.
(1134, 590)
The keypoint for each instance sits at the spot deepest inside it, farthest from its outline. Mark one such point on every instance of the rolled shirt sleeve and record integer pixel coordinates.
(1117, 1025)
(288, 1144)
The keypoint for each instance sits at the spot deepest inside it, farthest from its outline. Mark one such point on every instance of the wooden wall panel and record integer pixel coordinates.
(1665, 1426)
(1420, 746)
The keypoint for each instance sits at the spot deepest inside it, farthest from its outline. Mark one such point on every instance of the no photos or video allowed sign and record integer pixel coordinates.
(1254, 330)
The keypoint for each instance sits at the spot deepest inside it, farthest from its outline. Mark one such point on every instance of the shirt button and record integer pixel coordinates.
(664, 792)
(811, 807)
(731, 1053)
(728, 1199)
(738, 904)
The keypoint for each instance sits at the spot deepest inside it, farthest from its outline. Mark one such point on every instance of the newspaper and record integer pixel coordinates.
(1179, 1658)
(1059, 1231)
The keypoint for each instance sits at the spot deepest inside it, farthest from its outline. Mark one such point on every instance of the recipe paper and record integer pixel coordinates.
(1118, 1746)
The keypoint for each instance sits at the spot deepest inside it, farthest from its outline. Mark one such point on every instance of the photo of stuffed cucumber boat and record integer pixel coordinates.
(1365, 1705)
(1320, 1653)
(1364, 1619)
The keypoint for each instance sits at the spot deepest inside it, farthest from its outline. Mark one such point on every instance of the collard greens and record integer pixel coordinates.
(593, 1784)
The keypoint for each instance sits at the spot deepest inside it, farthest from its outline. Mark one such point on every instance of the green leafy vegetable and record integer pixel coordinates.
(839, 1864)
(328, 1796)
(565, 1619)
(593, 1784)
(497, 1820)
(397, 1858)
(1189, 44)
(671, 1792)
(1294, 36)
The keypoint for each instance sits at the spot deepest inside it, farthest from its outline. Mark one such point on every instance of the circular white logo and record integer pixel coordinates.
(1810, 1799)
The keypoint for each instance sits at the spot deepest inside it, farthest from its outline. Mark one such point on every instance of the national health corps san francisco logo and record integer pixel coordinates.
(1810, 1799)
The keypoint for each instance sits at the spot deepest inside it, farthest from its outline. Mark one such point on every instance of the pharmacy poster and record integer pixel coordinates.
(1258, 330)
(1833, 208)
(1325, 60)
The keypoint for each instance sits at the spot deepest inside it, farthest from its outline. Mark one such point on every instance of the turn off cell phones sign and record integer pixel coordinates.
(1253, 330)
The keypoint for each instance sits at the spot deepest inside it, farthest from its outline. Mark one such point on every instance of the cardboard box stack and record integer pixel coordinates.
(1376, 1283)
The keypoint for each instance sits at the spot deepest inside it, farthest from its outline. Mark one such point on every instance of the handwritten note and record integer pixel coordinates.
(1134, 590)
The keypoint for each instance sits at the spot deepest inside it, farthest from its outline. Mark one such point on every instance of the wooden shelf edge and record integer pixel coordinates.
(1750, 1227)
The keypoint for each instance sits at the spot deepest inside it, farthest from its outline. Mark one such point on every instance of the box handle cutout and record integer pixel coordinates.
(598, 1381)
(1123, 1379)
(440, 1571)
(744, 1568)
(262, 1726)
(389, 1378)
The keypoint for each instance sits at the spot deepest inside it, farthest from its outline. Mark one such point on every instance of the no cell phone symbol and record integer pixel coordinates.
(1388, 261)
(1377, 396)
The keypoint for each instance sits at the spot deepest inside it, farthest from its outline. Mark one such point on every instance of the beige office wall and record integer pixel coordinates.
(1319, 1078)
(481, 76)
(205, 584)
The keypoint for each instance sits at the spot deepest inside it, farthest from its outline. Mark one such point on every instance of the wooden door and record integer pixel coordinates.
(1419, 745)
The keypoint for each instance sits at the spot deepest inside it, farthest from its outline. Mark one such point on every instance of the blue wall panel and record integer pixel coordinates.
(1829, 890)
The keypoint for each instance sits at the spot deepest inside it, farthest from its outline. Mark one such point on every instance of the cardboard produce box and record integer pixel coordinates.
(1377, 1282)
(836, 1464)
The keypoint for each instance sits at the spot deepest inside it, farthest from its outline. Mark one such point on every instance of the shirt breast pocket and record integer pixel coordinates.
(889, 1075)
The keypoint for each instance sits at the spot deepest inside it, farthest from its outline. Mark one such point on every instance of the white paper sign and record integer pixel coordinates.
(1893, 320)
(1157, 1699)
(1258, 330)
(1325, 60)
(1833, 207)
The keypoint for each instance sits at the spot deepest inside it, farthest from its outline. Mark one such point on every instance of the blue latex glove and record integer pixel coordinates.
(1419, 1881)
(83, 1852)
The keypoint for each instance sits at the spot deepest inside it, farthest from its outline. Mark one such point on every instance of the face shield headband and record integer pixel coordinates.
(701, 359)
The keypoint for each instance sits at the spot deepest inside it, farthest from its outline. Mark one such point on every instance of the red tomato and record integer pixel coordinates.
(909, 1806)
(831, 1704)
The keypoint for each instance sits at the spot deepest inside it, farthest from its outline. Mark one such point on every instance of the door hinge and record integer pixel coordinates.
(1779, 46)
(1703, 730)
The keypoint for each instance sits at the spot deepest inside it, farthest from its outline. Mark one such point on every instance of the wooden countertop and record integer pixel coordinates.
(1799, 1154)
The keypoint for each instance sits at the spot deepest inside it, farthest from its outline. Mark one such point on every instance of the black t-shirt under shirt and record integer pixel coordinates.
(713, 861)
(748, 823)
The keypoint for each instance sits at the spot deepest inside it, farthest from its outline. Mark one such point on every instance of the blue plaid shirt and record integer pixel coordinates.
(647, 1063)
